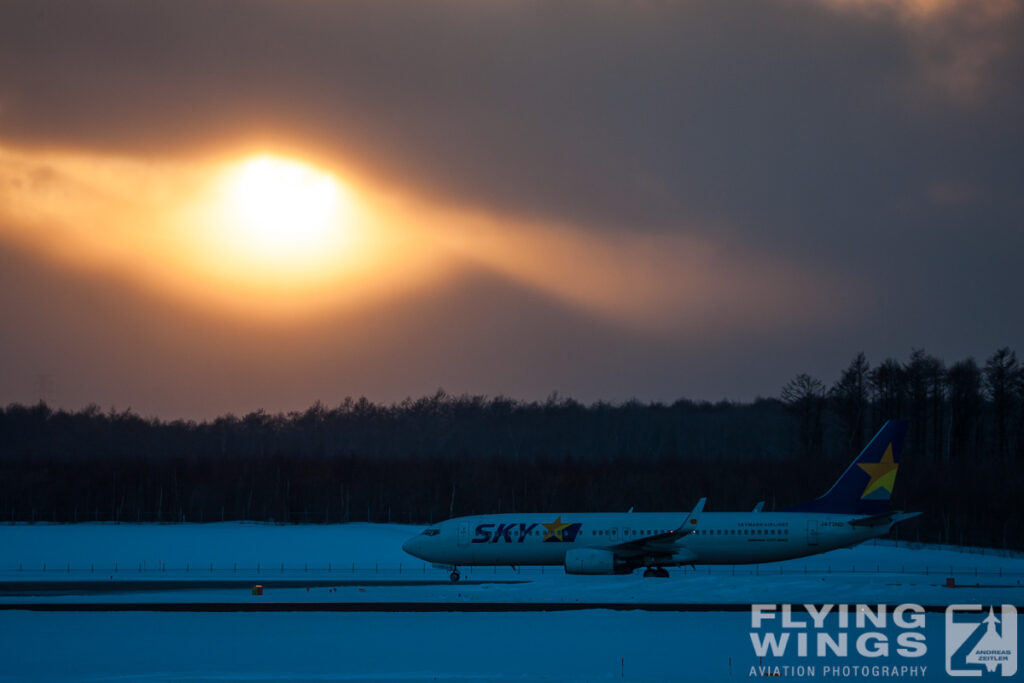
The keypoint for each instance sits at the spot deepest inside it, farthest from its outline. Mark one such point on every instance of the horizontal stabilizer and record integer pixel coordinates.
(880, 520)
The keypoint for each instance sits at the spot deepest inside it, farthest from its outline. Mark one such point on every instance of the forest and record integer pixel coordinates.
(427, 459)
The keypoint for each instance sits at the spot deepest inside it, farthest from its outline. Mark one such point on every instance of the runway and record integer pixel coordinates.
(93, 587)
(206, 595)
(390, 607)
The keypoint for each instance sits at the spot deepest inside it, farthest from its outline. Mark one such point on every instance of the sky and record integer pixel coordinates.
(223, 207)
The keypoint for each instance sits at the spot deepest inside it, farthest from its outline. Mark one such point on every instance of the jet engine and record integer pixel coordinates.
(590, 561)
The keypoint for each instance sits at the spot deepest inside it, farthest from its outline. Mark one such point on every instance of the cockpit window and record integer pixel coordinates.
(431, 532)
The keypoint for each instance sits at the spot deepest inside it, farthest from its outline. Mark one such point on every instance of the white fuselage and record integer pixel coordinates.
(716, 537)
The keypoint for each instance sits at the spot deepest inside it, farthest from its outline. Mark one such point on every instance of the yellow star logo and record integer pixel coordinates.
(882, 473)
(555, 528)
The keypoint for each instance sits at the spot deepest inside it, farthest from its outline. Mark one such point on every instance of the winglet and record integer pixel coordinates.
(692, 517)
(759, 506)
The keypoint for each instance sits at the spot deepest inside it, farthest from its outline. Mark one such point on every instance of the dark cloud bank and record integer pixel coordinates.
(883, 148)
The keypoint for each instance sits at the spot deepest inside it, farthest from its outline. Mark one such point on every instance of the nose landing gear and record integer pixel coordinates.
(455, 576)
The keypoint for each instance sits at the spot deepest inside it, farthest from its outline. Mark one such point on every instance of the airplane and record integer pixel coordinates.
(853, 510)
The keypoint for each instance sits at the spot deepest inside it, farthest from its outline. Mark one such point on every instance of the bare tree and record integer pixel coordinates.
(851, 401)
(924, 378)
(889, 385)
(1002, 377)
(805, 396)
(963, 382)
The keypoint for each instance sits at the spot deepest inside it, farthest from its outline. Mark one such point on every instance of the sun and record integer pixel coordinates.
(281, 211)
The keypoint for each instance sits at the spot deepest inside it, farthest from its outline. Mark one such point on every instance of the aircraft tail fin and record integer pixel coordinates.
(866, 485)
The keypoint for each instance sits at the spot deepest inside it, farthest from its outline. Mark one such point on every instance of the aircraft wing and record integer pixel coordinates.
(663, 542)
(658, 543)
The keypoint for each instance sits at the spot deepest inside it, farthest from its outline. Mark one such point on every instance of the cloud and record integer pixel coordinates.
(108, 341)
(603, 114)
(847, 170)
(172, 228)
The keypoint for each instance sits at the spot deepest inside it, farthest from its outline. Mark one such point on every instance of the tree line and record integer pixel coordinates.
(427, 459)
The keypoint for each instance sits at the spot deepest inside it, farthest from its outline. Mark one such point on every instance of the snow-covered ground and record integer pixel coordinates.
(880, 571)
(365, 563)
(589, 645)
(144, 548)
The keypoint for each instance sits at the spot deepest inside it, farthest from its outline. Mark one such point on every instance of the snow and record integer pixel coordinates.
(880, 571)
(197, 546)
(365, 563)
(588, 645)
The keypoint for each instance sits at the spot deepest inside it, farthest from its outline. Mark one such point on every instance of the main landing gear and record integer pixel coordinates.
(657, 572)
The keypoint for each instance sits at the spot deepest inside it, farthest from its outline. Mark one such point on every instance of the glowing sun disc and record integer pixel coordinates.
(281, 208)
